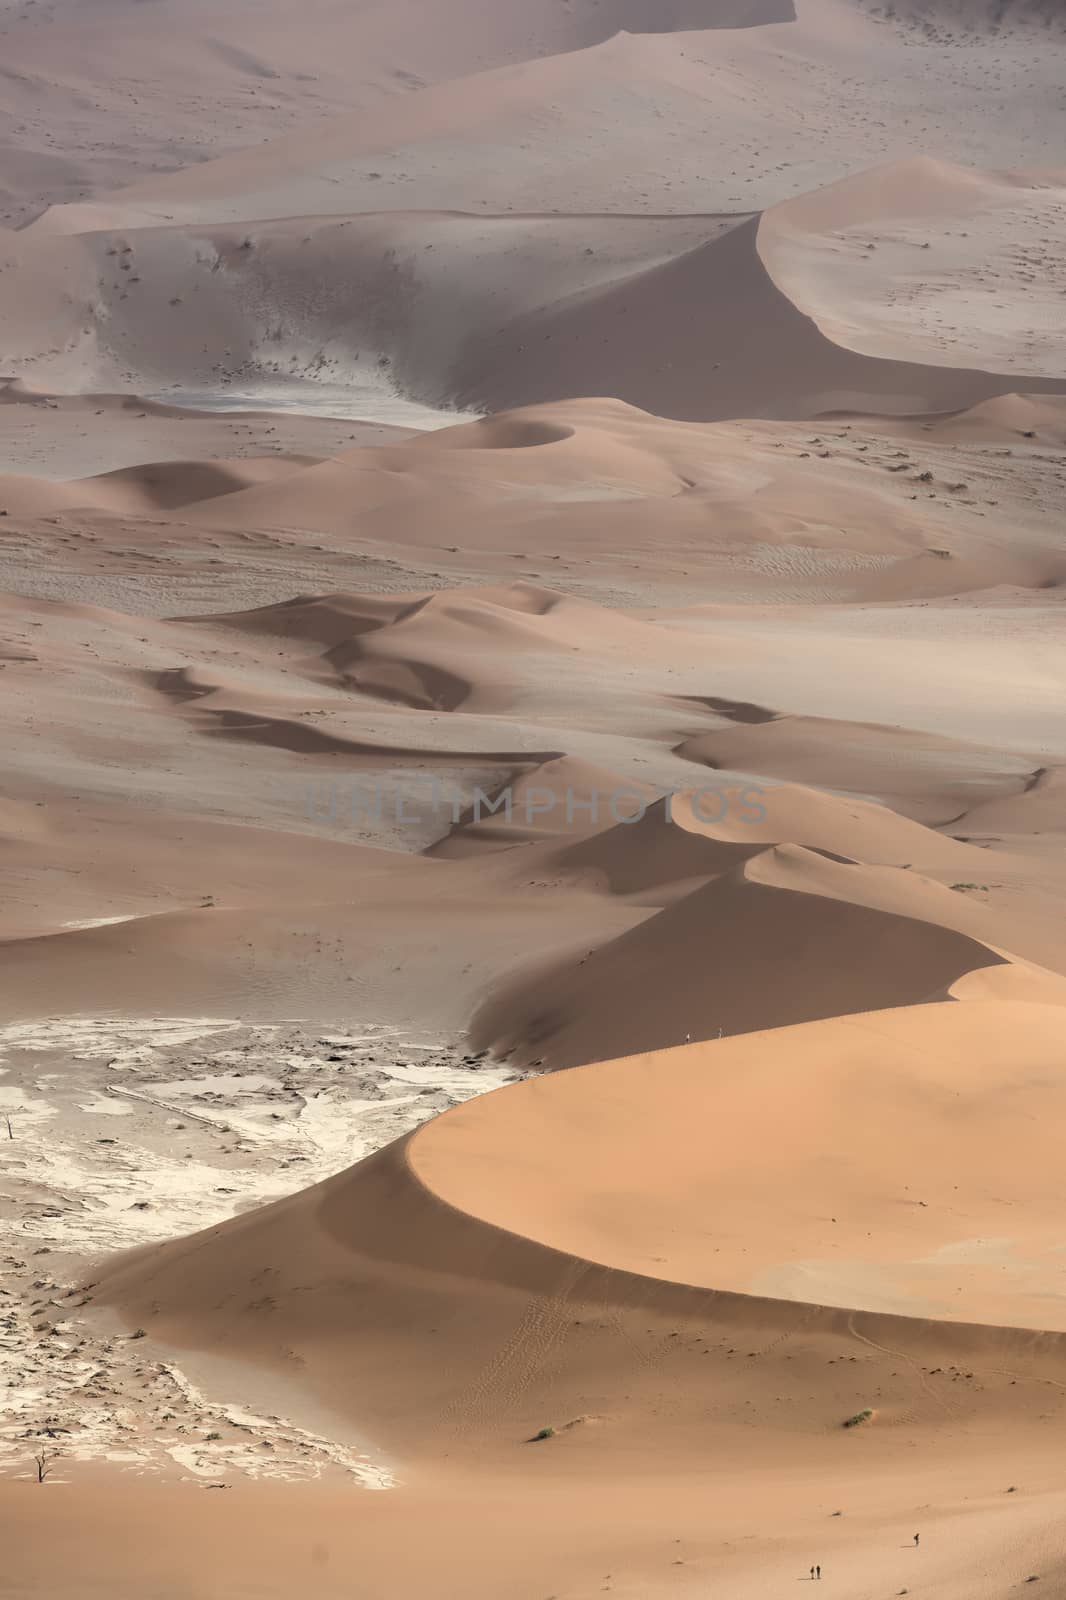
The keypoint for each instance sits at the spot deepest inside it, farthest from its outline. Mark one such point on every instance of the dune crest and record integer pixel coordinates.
(554, 1201)
(532, 829)
(783, 937)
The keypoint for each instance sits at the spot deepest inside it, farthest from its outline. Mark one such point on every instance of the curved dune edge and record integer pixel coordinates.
(710, 335)
(706, 326)
(776, 935)
(866, 1134)
(875, 258)
(412, 1293)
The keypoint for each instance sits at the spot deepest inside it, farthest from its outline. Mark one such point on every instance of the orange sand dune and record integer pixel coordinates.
(532, 529)
(253, 923)
(537, 1252)
(716, 827)
(785, 937)
(532, 538)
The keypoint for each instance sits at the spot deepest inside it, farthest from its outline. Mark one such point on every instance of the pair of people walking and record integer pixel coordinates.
(816, 1573)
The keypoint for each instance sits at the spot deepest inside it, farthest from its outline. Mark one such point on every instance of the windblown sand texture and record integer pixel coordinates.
(533, 823)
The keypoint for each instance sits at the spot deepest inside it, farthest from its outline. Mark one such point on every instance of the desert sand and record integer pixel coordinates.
(532, 970)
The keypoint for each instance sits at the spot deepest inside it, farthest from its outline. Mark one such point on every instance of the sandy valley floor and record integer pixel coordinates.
(533, 822)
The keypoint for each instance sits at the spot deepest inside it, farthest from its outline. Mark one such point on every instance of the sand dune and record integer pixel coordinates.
(1022, 416)
(73, 126)
(852, 512)
(710, 325)
(849, 257)
(1037, 810)
(587, 1215)
(785, 937)
(584, 1254)
(173, 485)
(479, 649)
(934, 780)
(705, 833)
(726, 823)
(566, 796)
(531, 539)
(787, 106)
(803, 311)
(863, 1089)
(394, 297)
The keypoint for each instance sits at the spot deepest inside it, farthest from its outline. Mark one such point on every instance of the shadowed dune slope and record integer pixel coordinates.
(700, 317)
(530, 1254)
(710, 830)
(705, 336)
(786, 937)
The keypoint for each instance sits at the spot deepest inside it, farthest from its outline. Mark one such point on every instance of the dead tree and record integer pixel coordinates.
(44, 1465)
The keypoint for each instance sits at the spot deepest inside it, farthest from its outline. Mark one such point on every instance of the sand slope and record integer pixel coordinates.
(710, 335)
(785, 937)
(76, 110)
(528, 1253)
(787, 106)
(679, 316)
(885, 264)
(933, 780)
(606, 613)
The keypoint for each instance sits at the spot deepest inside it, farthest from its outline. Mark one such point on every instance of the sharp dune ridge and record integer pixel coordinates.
(532, 833)
(496, 313)
(474, 1231)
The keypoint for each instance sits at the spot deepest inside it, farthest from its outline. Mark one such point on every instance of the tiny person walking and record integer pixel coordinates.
(917, 1536)
(818, 1572)
(812, 1574)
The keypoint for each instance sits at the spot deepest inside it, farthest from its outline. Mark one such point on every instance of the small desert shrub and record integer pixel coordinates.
(545, 1433)
(858, 1418)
